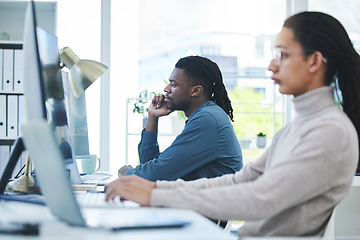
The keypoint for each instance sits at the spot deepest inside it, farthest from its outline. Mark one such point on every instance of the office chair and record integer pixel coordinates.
(329, 233)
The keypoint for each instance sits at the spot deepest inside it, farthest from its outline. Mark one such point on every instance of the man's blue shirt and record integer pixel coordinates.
(207, 147)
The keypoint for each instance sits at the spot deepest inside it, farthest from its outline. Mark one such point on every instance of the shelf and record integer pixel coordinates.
(8, 44)
(11, 93)
(12, 17)
(7, 141)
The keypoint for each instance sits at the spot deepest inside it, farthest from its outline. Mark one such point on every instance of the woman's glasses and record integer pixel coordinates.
(279, 54)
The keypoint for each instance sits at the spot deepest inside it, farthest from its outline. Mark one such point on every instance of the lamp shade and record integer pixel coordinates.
(83, 72)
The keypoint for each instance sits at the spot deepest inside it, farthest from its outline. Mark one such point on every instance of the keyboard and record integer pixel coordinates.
(97, 200)
(98, 176)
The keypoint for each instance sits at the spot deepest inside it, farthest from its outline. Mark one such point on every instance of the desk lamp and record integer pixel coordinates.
(26, 182)
(82, 74)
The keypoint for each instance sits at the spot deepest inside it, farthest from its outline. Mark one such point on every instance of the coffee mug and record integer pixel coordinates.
(88, 165)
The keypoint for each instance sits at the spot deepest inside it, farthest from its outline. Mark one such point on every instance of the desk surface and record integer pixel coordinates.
(51, 228)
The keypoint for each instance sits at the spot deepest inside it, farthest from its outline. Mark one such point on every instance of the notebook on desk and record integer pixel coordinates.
(59, 196)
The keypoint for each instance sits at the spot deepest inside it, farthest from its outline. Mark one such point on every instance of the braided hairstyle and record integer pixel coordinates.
(202, 71)
(316, 31)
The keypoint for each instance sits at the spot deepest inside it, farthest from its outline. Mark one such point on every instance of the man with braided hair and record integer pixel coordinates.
(207, 147)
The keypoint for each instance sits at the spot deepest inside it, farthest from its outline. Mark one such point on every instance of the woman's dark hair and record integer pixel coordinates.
(316, 31)
(202, 71)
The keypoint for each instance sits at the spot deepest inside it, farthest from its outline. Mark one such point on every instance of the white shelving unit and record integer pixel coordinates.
(12, 112)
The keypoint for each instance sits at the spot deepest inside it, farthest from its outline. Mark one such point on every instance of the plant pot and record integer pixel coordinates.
(145, 122)
(244, 143)
(261, 142)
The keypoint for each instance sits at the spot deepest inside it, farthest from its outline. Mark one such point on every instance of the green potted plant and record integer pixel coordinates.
(141, 105)
(261, 140)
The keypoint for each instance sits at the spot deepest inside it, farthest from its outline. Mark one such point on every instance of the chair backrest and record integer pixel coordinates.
(227, 228)
(329, 233)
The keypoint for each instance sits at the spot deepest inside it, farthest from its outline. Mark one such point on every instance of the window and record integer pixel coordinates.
(149, 36)
(237, 35)
(346, 11)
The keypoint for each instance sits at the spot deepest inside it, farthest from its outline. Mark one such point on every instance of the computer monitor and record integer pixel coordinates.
(34, 89)
(57, 115)
(43, 87)
(77, 119)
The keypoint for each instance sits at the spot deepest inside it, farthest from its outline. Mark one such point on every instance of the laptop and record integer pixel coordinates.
(60, 198)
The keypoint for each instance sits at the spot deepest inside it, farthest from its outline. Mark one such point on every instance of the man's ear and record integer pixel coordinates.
(316, 61)
(197, 90)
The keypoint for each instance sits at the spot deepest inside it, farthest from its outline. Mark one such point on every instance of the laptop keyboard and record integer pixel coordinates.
(96, 200)
(96, 177)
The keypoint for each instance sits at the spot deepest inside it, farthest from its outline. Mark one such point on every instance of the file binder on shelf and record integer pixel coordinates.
(8, 70)
(22, 113)
(12, 116)
(1, 70)
(3, 119)
(18, 71)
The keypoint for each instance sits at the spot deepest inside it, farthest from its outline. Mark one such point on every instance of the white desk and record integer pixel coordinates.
(346, 223)
(52, 229)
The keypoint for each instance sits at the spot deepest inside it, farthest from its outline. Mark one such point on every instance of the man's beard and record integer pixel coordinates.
(173, 107)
